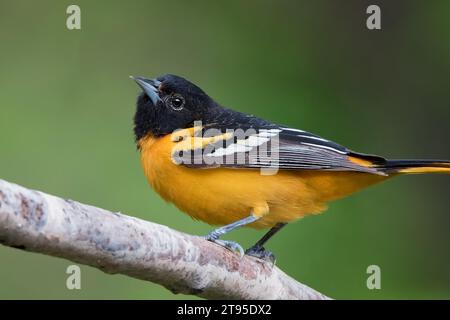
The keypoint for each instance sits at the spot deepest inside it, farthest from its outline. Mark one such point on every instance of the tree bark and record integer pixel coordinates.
(117, 243)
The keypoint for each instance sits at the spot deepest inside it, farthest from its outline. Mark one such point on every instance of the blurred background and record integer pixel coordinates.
(66, 109)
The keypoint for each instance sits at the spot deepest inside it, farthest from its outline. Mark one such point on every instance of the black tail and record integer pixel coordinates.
(416, 166)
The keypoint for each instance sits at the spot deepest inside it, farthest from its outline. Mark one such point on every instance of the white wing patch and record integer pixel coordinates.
(245, 145)
(232, 148)
(253, 141)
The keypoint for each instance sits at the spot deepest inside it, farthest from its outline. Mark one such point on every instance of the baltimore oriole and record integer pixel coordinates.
(216, 175)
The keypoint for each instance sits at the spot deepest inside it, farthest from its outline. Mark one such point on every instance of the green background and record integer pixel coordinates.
(66, 108)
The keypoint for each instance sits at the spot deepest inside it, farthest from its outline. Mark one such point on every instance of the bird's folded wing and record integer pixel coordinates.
(268, 147)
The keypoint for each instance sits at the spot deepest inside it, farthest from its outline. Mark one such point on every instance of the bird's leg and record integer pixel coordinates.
(257, 250)
(214, 235)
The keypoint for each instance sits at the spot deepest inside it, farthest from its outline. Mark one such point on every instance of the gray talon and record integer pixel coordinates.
(261, 253)
(230, 245)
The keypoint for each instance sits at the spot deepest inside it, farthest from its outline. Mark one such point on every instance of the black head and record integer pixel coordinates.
(168, 103)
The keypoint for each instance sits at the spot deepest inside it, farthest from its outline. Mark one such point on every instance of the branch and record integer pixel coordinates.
(116, 243)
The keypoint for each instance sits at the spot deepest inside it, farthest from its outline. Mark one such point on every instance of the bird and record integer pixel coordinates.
(231, 169)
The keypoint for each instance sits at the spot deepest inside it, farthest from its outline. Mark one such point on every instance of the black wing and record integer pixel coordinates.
(272, 147)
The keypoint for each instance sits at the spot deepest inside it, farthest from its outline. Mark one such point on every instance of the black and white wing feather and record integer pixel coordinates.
(275, 146)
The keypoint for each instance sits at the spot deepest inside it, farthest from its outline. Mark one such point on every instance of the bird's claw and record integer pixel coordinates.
(230, 245)
(261, 253)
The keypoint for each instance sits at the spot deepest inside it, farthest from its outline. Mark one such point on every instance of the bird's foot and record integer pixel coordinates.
(230, 245)
(261, 253)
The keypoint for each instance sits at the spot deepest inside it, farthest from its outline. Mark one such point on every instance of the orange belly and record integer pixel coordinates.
(221, 196)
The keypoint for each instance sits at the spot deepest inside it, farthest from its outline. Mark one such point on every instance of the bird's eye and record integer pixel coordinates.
(176, 102)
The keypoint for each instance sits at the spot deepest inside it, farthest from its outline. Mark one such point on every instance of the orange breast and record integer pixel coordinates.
(221, 196)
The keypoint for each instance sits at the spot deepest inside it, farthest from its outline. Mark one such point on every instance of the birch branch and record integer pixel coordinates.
(117, 243)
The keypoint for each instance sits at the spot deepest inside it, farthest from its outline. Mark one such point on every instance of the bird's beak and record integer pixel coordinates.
(150, 87)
